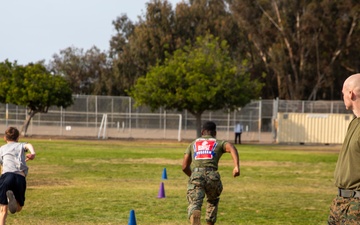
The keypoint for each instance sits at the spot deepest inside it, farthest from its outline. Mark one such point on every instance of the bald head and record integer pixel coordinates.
(352, 83)
(351, 94)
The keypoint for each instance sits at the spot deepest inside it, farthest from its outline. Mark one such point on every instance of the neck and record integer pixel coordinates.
(356, 111)
(210, 133)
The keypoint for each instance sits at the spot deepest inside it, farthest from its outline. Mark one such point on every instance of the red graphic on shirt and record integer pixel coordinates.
(204, 149)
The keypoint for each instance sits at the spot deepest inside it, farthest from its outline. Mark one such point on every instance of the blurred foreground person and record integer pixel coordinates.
(345, 208)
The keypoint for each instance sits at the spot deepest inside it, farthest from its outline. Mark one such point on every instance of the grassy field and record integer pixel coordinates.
(99, 182)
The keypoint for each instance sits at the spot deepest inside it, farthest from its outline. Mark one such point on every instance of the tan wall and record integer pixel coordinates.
(319, 128)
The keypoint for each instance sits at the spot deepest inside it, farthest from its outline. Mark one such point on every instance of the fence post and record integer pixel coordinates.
(179, 132)
(260, 108)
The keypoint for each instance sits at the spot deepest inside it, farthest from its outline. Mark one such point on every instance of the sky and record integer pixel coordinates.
(34, 30)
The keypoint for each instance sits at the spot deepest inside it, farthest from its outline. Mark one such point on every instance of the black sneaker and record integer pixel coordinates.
(12, 203)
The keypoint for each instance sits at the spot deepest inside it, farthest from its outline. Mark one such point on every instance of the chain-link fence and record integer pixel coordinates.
(117, 117)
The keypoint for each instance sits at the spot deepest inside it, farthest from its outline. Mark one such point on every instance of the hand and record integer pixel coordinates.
(236, 172)
(30, 157)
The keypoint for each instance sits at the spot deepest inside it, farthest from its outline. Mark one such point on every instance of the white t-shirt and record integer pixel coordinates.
(12, 158)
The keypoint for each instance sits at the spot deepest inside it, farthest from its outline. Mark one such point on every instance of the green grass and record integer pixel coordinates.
(99, 182)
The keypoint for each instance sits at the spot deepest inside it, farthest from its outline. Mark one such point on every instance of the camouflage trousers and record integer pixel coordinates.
(344, 211)
(200, 184)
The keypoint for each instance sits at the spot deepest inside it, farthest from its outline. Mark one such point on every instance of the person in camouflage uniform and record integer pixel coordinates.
(200, 163)
(345, 207)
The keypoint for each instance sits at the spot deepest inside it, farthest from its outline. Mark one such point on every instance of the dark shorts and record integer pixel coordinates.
(14, 182)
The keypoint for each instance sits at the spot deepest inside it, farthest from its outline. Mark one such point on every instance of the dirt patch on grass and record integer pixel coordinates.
(41, 183)
(159, 161)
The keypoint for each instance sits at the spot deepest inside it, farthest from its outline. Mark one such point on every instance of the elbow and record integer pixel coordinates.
(184, 168)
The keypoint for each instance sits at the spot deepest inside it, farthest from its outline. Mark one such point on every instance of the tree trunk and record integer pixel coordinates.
(25, 126)
(198, 125)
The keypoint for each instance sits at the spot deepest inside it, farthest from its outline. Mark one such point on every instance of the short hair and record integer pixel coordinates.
(209, 125)
(11, 134)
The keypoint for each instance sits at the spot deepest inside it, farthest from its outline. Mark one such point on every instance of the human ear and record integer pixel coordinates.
(352, 95)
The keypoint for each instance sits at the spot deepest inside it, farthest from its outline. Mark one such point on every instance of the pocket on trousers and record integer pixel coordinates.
(196, 176)
(214, 184)
(196, 179)
(214, 176)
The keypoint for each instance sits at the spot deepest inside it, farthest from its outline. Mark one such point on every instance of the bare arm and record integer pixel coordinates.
(230, 148)
(186, 164)
(31, 149)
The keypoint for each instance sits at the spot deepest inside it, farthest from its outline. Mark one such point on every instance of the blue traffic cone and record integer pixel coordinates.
(164, 175)
(161, 193)
(132, 219)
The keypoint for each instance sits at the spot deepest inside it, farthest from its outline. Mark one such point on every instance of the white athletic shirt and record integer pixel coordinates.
(12, 158)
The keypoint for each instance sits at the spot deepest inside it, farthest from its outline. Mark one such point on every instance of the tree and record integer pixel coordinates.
(6, 72)
(136, 47)
(199, 17)
(301, 44)
(88, 72)
(197, 78)
(34, 87)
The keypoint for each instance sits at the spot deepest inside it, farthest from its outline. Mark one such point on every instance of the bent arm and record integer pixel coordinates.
(186, 164)
(230, 148)
(31, 149)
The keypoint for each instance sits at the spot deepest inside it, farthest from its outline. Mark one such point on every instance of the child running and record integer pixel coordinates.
(13, 159)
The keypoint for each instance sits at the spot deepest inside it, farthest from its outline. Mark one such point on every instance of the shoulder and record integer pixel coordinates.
(189, 148)
(222, 143)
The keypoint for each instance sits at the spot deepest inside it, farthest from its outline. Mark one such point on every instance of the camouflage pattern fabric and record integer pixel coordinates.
(200, 184)
(344, 211)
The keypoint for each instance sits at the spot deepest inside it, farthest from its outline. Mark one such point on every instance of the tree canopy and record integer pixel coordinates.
(301, 50)
(34, 87)
(87, 72)
(197, 78)
(304, 47)
(161, 30)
